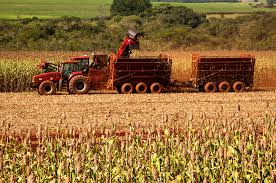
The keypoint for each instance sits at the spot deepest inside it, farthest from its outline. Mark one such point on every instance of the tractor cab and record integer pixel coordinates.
(68, 67)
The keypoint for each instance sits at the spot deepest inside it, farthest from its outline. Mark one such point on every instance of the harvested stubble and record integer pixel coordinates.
(170, 137)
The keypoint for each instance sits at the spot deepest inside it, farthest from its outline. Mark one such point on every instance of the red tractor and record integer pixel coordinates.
(70, 75)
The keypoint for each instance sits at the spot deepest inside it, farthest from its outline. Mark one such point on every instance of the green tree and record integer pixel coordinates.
(129, 7)
(177, 15)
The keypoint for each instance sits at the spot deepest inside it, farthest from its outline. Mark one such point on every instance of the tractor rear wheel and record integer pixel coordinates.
(79, 85)
(47, 88)
(224, 87)
(238, 86)
(127, 88)
(156, 88)
(210, 87)
(141, 87)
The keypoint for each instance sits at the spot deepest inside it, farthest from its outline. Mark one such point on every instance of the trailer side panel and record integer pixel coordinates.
(140, 69)
(219, 69)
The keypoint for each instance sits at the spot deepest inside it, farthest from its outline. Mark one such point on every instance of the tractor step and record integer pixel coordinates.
(63, 85)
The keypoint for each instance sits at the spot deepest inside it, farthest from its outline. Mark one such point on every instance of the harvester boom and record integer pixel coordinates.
(130, 42)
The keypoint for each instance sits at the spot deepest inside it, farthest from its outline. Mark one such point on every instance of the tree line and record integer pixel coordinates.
(166, 27)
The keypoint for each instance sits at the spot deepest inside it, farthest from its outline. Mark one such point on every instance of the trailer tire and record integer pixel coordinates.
(156, 88)
(127, 88)
(238, 87)
(141, 88)
(224, 87)
(210, 87)
(47, 88)
(79, 85)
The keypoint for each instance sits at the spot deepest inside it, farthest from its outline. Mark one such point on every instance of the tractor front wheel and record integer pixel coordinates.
(79, 85)
(47, 88)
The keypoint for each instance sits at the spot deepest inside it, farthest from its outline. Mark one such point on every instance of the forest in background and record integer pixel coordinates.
(166, 27)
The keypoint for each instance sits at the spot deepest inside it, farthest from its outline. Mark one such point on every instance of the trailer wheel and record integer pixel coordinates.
(127, 88)
(238, 86)
(224, 87)
(210, 87)
(79, 85)
(47, 88)
(156, 88)
(141, 87)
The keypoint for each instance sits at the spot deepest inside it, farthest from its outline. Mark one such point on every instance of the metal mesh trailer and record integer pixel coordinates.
(212, 73)
(141, 74)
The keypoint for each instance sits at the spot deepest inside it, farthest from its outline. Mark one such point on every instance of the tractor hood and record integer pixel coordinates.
(52, 76)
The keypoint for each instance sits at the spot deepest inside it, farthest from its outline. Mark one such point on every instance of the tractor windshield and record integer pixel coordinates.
(68, 68)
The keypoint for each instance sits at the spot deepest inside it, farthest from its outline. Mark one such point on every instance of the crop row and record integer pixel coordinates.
(234, 151)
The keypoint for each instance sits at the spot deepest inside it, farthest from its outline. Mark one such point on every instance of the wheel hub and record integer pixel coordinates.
(79, 85)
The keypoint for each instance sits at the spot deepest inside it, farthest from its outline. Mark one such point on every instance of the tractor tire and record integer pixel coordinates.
(141, 88)
(47, 88)
(79, 85)
(210, 87)
(238, 87)
(127, 88)
(156, 88)
(224, 87)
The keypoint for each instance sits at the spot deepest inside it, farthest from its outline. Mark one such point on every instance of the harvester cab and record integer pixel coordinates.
(99, 60)
(130, 43)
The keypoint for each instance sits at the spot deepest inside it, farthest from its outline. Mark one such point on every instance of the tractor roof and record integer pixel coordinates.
(70, 62)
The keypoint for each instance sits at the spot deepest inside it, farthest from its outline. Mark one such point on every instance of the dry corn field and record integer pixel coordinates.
(171, 137)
